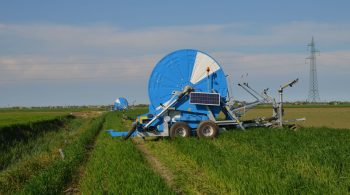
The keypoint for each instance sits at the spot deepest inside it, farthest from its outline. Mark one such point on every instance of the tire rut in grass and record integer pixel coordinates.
(73, 186)
(158, 167)
(188, 176)
(55, 177)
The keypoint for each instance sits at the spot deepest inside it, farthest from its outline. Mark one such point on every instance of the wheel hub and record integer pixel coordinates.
(181, 132)
(208, 131)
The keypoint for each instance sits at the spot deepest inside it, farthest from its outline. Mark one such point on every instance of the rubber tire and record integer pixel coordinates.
(177, 125)
(202, 125)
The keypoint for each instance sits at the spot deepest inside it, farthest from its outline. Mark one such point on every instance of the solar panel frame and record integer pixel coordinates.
(202, 98)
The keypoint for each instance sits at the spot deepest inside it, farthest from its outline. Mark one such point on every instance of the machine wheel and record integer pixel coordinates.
(207, 129)
(180, 129)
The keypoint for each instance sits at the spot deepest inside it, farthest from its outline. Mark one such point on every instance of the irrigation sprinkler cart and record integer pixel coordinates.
(187, 91)
(120, 104)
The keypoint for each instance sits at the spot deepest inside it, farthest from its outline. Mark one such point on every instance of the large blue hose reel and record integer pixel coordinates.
(186, 67)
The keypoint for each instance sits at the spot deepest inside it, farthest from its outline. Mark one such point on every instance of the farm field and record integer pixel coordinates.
(117, 167)
(332, 117)
(264, 161)
(9, 118)
(260, 161)
(22, 116)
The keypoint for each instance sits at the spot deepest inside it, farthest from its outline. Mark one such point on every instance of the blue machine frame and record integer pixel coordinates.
(174, 78)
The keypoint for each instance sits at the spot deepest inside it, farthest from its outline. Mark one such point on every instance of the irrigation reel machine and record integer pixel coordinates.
(188, 90)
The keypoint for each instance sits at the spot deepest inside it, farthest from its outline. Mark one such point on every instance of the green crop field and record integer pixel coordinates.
(117, 167)
(66, 153)
(9, 118)
(23, 116)
(260, 161)
(332, 117)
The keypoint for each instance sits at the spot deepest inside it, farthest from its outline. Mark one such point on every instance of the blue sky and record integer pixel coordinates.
(91, 52)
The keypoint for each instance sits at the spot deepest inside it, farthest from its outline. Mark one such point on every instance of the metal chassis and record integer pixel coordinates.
(228, 107)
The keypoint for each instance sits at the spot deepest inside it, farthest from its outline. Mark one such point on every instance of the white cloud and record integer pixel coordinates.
(167, 37)
(141, 66)
(283, 63)
(66, 52)
(36, 67)
(334, 62)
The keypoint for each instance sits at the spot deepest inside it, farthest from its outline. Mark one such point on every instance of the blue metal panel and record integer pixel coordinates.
(158, 124)
(193, 124)
(114, 133)
(188, 116)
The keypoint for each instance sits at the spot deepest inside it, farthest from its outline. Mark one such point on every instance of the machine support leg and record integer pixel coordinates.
(280, 108)
(233, 115)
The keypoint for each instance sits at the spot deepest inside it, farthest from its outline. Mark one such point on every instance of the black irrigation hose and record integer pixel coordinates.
(131, 131)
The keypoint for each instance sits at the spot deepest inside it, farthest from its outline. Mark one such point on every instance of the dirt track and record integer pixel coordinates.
(157, 166)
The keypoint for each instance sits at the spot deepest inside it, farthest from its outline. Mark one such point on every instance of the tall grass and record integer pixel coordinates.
(23, 132)
(25, 117)
(31, 157)
(19, 139)
(117, 167)
(261, 161)
(133, 113)
(10, 116)
(257, 161)
(54, 178)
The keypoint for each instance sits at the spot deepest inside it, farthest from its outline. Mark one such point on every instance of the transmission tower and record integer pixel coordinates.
(313, 85)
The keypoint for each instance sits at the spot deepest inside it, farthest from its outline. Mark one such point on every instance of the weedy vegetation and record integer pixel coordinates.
(261, 161)
(117, 167)
(256, 161)
(58, 174)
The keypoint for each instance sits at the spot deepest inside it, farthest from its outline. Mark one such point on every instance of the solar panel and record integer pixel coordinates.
(205, 98)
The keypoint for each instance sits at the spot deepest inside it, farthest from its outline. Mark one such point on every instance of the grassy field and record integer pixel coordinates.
(10, 118)
(332, 117)
(117, 167)
(19, 140)
(29, 154)
(257, 161)
(311, 160)
(57, 175)
(22, 116)
(260, 161)
(29, 158)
